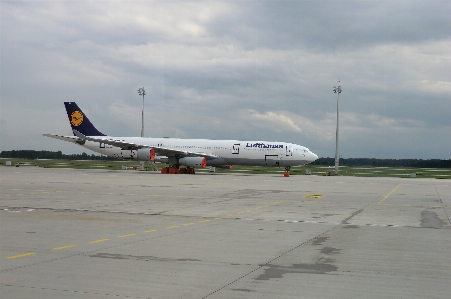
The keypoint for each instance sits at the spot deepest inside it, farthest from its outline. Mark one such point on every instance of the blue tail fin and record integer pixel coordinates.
(79, 121)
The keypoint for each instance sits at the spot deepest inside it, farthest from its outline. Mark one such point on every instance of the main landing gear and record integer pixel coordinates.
(287, 171)
(176, 170)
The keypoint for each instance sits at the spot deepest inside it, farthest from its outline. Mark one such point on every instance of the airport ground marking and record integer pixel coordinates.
(388, 195)
(64, 247)
(21, 255)
(313, 196)
(98, 241)
(152, 230)
(126, 235)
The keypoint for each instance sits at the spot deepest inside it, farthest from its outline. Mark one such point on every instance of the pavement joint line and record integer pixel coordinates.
(265, 264)
(388, 195)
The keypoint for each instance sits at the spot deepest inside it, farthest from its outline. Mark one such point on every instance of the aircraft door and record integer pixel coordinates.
(236, 149)
(272, 160)
(288, 150)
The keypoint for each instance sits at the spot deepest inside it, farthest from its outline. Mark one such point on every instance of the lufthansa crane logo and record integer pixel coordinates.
(76, 118)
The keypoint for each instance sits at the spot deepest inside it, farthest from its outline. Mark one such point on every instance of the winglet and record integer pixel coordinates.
(79, 135)
(81, 138)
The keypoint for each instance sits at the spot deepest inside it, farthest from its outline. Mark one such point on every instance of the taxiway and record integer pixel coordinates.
(130, 234)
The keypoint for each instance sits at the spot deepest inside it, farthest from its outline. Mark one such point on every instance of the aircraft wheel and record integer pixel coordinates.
(173, 170)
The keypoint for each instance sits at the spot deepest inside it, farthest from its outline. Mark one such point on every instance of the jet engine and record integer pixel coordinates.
(146, 154)
(195, 162)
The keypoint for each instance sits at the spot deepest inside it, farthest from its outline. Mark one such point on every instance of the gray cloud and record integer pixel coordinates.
(232, 70)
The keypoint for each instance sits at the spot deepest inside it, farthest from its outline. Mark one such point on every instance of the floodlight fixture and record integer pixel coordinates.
(337, 89)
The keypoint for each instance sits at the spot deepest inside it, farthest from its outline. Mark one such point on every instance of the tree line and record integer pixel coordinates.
(432, 163)
(32, 154)
(418, 163)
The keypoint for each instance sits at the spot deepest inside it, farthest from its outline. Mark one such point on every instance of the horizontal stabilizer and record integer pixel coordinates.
(72, 139)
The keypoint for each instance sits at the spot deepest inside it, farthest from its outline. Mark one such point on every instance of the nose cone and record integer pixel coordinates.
(313, 157)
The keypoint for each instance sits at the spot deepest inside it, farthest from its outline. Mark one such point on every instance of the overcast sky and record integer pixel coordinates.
(246, 70)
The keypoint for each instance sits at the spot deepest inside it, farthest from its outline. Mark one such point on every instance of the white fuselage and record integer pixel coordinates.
(228, 152)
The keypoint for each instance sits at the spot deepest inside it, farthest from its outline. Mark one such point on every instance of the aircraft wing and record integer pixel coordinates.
(160, 151)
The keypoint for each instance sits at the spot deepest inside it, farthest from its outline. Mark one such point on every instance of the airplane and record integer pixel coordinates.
(176, 152)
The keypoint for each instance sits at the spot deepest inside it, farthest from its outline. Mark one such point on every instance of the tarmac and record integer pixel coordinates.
(132, 234)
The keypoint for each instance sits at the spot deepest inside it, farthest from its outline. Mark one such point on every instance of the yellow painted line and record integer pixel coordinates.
(218, 218)
(313, 196)
(64, 247)
(202, 221)
(125, 236)
(170, 227)
(240, 213)
(21, 255)
(249, 211)
(230, 215)
(391, 192)
(98, 241)
(150, 231)
(186, 224)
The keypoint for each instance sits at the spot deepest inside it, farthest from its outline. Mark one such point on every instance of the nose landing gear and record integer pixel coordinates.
(287, 171)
